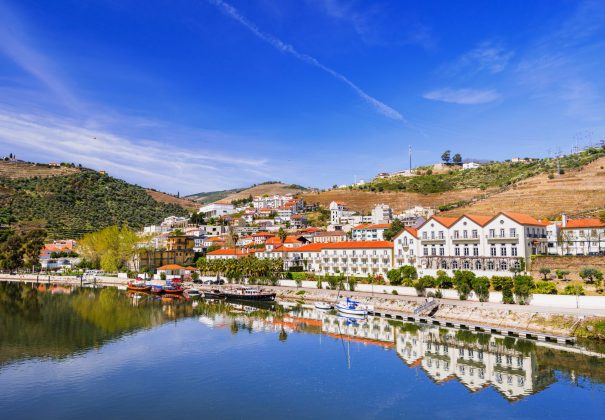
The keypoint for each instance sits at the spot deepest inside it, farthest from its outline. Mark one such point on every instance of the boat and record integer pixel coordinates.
(249, 293)
(352, 307)
(323, 306)
(214, 294)
(174, 290)
(192, 294)
(138, 286)
(157, 289)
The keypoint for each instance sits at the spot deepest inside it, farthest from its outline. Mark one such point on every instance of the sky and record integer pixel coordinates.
(200, 95)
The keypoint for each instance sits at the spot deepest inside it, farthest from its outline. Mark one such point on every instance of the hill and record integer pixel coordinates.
(17, 170)
(171, 199)
(534, 187)
(579, 192)
(269, 188)
(78, 201)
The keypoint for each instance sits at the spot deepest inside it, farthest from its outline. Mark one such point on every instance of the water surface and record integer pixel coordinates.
(70, 354)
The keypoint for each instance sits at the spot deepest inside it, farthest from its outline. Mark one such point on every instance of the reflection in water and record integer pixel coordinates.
(58, 322)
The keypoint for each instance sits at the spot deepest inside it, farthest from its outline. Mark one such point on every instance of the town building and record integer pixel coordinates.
(217, 209)
(382, 213)
(359, 258)
(372, 232)
(330, 237)
(576, 237)
(471, 165)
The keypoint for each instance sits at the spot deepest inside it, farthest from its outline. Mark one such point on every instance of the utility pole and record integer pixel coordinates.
(410, 155)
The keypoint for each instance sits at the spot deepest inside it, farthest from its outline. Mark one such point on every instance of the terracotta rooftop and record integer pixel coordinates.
(359, 244)
(374, 226)
(584, 223)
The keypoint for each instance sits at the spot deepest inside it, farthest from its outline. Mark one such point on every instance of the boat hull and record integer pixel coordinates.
(212, 295)
(138, 288)
(349, 311)
(261, 297)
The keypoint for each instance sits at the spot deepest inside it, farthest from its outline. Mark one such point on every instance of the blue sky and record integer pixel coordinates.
(197, 95)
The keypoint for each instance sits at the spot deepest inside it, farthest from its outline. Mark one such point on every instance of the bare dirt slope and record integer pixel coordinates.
(268, 189)
(364, 201)
(170, 199)
(578, 192)
(16, 170)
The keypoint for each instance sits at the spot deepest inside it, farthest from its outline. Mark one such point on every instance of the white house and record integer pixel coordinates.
(382, 213)
(372, 232)
(357, 258)
(471, 165)
(405, 247)
(217, 209)
(576, 237)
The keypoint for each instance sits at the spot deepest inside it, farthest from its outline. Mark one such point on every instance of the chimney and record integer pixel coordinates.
(563, 220)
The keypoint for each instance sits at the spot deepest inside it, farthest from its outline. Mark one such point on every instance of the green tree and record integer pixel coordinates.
(409, 272)
(457, 159)
(545, 271)
(394, 276)
(445, 157)
(481, 287)
(443, 281)
(573, 289)
(523, 286)
(463, 282)
(562, 274)
(591, 275)
(396, 227)
(111, 247)
(545, 288)
(420, 285)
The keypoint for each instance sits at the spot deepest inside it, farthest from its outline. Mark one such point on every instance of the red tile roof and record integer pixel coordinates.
(413, 231)
(522, 219)
(480, 220)
(374, 226)
(273, 241)
(171, 267)
(263, 234)
(229, 251)
(309, 248)
(359, 244)
(584, 223)
(445, 221)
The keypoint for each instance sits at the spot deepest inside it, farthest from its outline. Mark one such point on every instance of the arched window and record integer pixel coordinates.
(477, 265)
(490, 265)
(517, 265)
(444, 265)
(466, 265)
(454, 265)
(503, 266)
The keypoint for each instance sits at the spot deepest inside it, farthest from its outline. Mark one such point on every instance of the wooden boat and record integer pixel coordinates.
(249, 293)
(214, 294)
(157, 289)
(138, 287)
(173, 290)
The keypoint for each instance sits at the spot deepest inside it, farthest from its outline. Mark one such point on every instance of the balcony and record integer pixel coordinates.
(460, 239)
(502, 238)
(433, 240)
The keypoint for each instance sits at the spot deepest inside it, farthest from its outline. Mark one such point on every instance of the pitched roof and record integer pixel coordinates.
(522, 219)
(445, 221)
(413, 231)
(309, 248)
(273, 241)
(359, 244)
(584, 223)
(263, 234)
(333, 233)
(228, 251)
(374, 226)
(480, 220)
(171, 267)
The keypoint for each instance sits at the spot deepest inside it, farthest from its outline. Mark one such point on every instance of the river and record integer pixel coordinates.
(82, 353)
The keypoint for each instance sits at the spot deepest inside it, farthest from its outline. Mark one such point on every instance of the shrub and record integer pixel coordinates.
(438, 294)
(429, 281)
(572, 289)
(463, 281)
(505, 285)
(591, 275)
(545, 271)
(300, 292)
(443, 281)
(394, 276)
(394, 292)
(352, 283)
(562, 274)
(409, 272)
(523, 286)
(481, 287)
(545, 288)
(162, 276)
(298, 281)
(420, 285)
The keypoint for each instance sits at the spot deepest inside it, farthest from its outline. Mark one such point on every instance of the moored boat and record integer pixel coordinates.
(192, 294)
(352, 307)
(138, 286)
(249, 293)
(157, 289)
(323, 306)
(214, 294)
(174, 290)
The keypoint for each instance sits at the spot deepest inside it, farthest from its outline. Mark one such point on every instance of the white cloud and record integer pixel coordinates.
(147, 162)
(462, 96)
(275, 42)
(487, 56)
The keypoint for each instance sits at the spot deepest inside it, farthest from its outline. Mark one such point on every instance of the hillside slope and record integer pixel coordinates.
(17, 170)
(171, 199)
(79, 202)
(268, 188)
(577, 192)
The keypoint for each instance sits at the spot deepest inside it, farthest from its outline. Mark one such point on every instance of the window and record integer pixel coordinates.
(426, 250)
(513, 251)
(466, 265)
(457, 251)
(433, 250)
(492, 251)
(503, 251)
(502, 234)
(490, 265)
(441, 251)
(454, 265)
(440, 234)
(503, 266)
(513, 232)
(466, 251)
(476, 251)
(444, 265)
(423, 235)
(477, 265)
(474, 234)
(492, 233)
(456, 234)
(432, 234)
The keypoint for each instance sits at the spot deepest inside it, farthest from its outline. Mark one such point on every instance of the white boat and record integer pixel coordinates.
(323, 306)
(192, 294)
(352, 307)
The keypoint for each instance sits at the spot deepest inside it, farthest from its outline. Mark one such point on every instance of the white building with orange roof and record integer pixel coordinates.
(357, 258)
(370, 232)
(576, 237)
(227, 253)
(484, 244)
(405, 247)
(260, 238)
